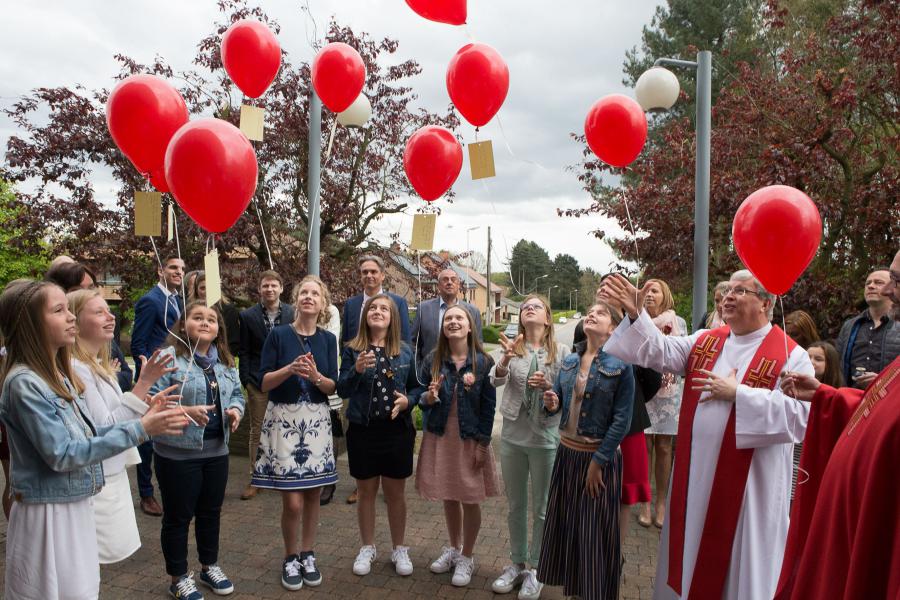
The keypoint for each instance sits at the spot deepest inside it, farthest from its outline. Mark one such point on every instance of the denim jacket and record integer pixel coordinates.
(475, 408)
(194, 393)
(53, 459)
(357, 388)
(607, 403)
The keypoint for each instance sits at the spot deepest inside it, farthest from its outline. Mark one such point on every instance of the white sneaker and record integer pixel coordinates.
(402, 564)
(531, 587)
(363, 563)
(508, 579)
(462, 572)
(446, 560)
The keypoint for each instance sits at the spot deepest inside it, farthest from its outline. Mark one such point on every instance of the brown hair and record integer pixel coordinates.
(615, 313)
(832, 375)
(548, 339)
(442, 351)
(668, 302)
(221, 340)
(324, 315)
(269, 275)
(392, 341)
(100, 365)
(24, 332)
(804, 326)
(69, 275)
(370, 258)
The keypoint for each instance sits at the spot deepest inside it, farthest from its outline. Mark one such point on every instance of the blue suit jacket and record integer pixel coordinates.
(151, 324)
(352, 308)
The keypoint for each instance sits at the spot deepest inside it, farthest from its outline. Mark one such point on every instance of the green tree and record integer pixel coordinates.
(20, 256)
(565, 279)
(587, 288)
(529, 265)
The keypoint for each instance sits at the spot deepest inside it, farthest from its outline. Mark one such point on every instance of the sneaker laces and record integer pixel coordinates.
(510, 573)
(309, 564)
(448, 555)
(529, 582)
(292, 567)
(186, 585)
(401, 553)
(465, 564)
(366, 553)
(216, 574)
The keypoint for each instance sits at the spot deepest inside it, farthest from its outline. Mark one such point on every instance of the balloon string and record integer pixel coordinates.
(510, 150)
(330, 143)
(469, 33)
(784, 328)
(262, 228)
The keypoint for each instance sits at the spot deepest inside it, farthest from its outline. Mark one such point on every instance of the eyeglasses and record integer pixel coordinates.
(532, 306)
(739, 292)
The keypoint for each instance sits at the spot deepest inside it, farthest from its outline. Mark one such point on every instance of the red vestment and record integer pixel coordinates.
(844, 538)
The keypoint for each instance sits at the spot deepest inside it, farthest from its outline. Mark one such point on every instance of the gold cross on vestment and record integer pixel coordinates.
(704, 353)
(762, 375)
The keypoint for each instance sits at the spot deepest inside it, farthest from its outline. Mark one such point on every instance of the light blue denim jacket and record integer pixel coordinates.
(607, 403)
(194, 393)
(53, 459)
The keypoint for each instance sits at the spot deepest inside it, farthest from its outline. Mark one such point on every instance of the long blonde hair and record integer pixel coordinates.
(22, 325)
(100, 364)
(392, 340)
(442, 351)
(548, 339)
(668, 301)
(324, 316)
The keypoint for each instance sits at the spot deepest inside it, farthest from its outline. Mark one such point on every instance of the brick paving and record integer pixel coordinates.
(251, 551)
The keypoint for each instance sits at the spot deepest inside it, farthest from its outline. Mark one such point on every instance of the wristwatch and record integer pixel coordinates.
(318, 381)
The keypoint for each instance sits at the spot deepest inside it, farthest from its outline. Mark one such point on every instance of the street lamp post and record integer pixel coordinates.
(658, 88)
(314, 174)
(538, 278)
(467, 252)
(548, 291)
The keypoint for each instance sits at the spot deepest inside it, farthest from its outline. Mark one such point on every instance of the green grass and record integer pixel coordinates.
(563, 313)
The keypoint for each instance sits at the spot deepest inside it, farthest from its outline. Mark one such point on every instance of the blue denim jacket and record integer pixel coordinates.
(53, 460)
(194, 393)
(357, 387)
(475, 407)
(607, 403)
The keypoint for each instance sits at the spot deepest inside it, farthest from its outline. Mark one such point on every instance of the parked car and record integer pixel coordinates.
(511, 331)
(563, 320)
(576, 316)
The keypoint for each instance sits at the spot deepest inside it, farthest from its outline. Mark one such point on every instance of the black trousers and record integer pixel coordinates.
(190, 489)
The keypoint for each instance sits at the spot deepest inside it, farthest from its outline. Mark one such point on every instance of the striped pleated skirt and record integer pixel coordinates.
(581, 548)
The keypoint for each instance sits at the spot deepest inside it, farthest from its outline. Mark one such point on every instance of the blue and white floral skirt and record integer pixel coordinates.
(295, 448)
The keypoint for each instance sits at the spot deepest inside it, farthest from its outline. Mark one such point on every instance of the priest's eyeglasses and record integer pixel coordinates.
(739, 292)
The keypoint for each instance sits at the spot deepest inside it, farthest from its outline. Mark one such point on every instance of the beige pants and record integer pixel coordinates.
(256, 408)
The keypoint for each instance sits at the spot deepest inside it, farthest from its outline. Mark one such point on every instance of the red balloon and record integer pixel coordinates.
(211, 168)
(142, 114)
(616, 129)
(776, 232)
(251, 55)
(478, 81)
(338, 75)
(451, 12)
(433, 159)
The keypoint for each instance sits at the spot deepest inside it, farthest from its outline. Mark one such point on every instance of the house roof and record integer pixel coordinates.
(410, 266)
(508, 302)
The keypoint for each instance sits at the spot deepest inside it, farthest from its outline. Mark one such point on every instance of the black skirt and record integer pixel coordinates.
(382, 448)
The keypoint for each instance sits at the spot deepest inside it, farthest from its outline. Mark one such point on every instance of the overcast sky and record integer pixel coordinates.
(562, 57)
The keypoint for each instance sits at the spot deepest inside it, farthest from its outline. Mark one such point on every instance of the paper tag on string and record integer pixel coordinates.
(423, 232)
(170, 222)
(481, 159)
(252, 122)
(147, 213)
(213, 283)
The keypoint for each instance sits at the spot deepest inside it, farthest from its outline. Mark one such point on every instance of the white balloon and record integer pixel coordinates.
(657, 88)
(357, 113)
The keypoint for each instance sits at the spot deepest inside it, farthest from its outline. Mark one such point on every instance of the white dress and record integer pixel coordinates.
(766, 420)
(31, 568)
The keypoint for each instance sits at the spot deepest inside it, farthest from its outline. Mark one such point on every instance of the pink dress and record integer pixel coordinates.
(446, 468)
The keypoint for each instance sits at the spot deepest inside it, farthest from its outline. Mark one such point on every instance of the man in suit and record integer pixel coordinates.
(371, 274)
(427, 326)
(154, 315)
(256, 323)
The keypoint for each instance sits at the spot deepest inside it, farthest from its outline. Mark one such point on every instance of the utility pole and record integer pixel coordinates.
(488, 317)
(314, 174)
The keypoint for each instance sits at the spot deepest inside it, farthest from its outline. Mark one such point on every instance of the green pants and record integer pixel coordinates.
(517, 463)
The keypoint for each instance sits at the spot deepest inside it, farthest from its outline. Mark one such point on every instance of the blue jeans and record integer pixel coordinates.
(517, 463)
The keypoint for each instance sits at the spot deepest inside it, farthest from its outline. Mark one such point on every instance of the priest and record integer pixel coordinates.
(727, 515)
(844, 540)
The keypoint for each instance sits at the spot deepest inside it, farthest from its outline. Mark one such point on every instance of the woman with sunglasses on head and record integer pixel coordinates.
(529, 438)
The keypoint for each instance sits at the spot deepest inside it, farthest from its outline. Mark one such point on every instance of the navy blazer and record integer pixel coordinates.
(152, 321)
(253, 336)
(282, 347)
(352, 308)
(426, 328)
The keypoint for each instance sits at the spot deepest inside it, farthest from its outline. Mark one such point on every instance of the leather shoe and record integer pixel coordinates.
(149, 506)
(352, 498)
(327, 494)
(249, 492)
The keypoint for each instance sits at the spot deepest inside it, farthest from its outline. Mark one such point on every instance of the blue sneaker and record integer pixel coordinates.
(311, 575)
(291, 578)
(185, 589)
(216, 580)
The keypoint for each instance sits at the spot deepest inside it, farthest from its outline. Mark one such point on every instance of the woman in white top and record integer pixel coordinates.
(117, 531)
(529, 438)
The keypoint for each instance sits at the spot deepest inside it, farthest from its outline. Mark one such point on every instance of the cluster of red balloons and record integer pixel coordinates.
(208, 165)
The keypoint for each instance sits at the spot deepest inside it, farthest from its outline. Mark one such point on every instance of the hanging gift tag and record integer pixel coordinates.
(147, 213)
(170, 222)
(481, 159)
(252, 122)
(213, 283)
(423, 232)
